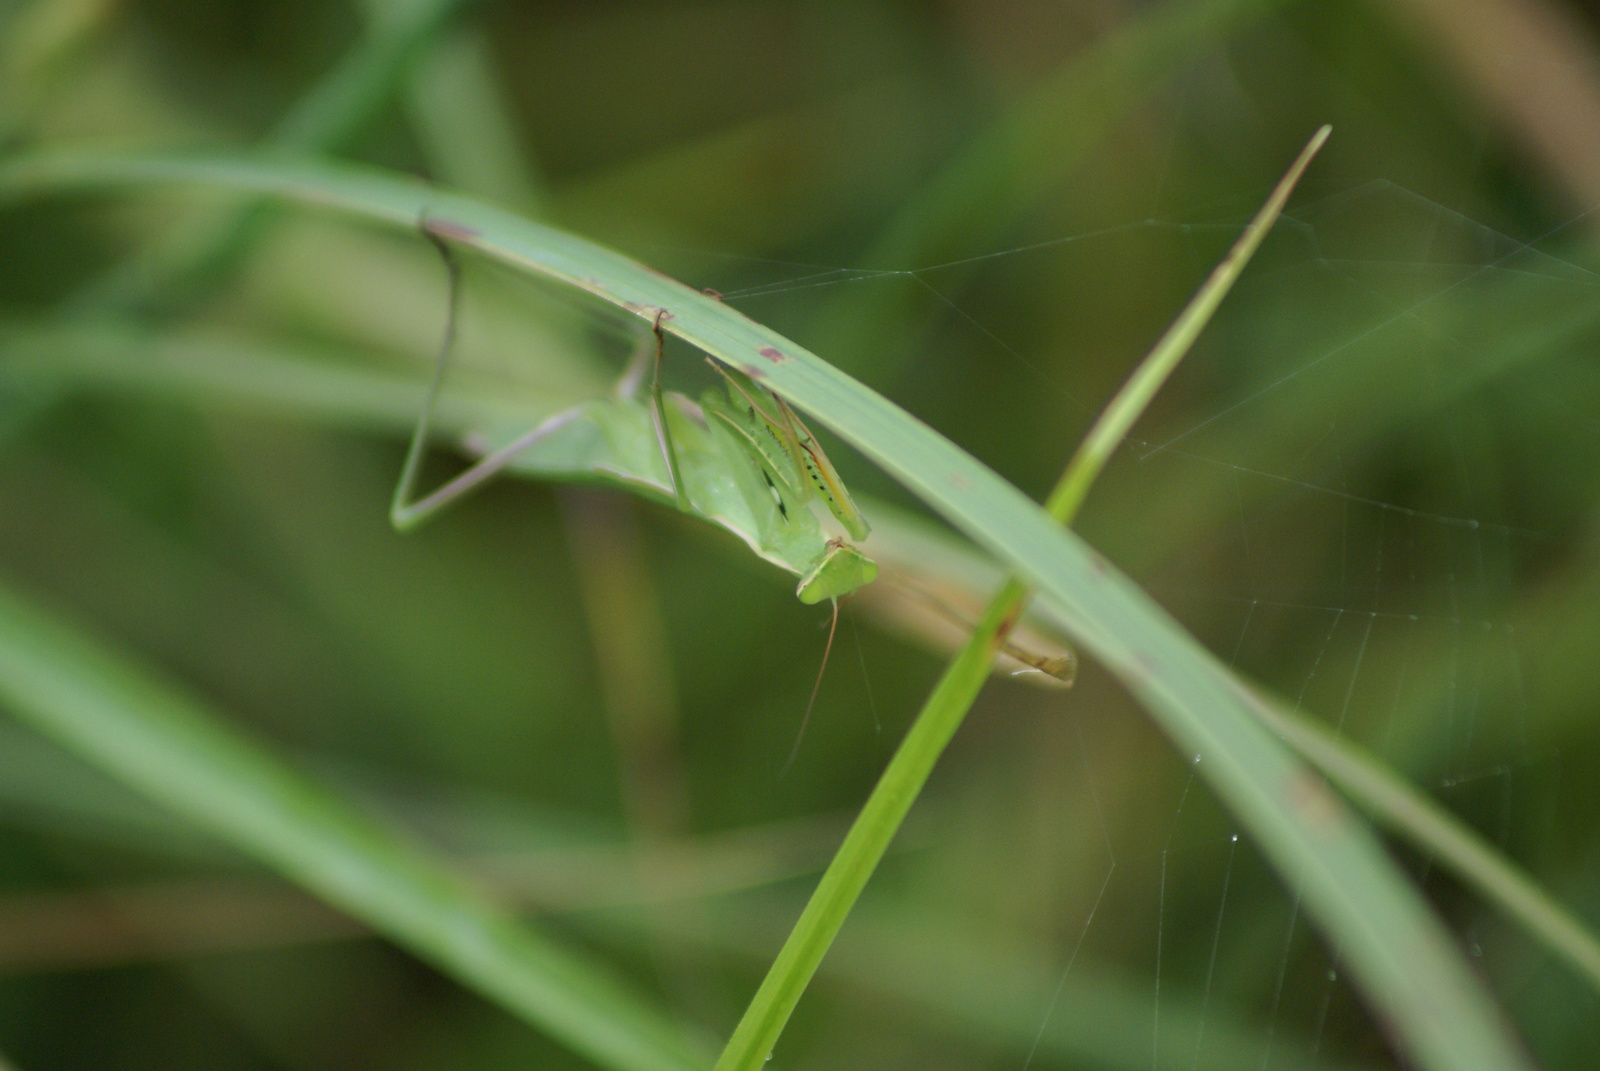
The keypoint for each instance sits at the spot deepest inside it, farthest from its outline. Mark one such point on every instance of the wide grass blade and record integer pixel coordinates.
(1450, 843)
(1399, 954)
(124, 719)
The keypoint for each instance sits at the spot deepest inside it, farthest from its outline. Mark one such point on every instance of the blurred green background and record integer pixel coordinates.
(1372, 487)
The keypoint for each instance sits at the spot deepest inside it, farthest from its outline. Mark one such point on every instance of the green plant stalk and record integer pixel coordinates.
(167, 745)
(958, 688)
(1130, 402)
(1400, 955)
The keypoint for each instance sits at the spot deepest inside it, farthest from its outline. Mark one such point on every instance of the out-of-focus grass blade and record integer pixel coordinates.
(1037, 142)
(126, 720)
(1032, 147)
(465, 124)
(109, 355)
(38, 45)
(195, 254)
(1399, 953)
(354, 89)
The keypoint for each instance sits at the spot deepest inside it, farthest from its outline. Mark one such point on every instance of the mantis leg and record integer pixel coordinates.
(658, 411)
(404, 513)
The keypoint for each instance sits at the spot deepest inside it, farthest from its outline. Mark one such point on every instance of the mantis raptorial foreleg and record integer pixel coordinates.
(658, 412)
(404, 514)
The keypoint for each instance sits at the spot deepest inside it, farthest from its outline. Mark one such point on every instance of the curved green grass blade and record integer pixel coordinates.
(1449, 842)
(1398, 952)
(946, 708)
(167, 745)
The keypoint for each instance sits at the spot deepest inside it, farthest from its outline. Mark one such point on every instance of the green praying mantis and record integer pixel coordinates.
(763, 428)
(740, 458)
(744, 460)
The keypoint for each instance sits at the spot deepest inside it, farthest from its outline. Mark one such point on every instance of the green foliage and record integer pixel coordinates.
(1370, 491)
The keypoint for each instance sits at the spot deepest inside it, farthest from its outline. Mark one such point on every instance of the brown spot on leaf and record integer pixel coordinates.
(1310, 797)
(654, 313)
(1145, 667)
(710, 293)
(444, 228)
(773, 355)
